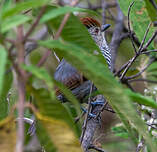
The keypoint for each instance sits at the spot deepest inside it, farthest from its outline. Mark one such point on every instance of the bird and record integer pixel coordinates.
(69, 75)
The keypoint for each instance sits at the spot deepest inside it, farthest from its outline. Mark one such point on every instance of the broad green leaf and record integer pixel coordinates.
(8, 135)
(51, 108)
(61, 134)
(42, 74)
(44, 137)
(4, 106)
(139, 18)
(3, 61)
(94, 70)
(136, 97)
(120, 131)
(55, 12)
(23, 6)
(12, 22)
(7, 82)
(151, 10)
(5, 4)
(3, 88)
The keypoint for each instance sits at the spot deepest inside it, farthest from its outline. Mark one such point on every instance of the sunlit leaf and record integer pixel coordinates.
(8, 135)
(139, 18)
(61, 134)
(44, 138)
(52, 108)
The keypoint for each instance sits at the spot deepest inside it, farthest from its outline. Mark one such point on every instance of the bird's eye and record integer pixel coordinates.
(96, 30)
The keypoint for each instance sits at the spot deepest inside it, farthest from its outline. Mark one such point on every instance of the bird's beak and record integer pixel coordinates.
(105, 27)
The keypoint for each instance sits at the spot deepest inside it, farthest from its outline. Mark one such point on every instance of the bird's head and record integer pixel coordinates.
(95, 29)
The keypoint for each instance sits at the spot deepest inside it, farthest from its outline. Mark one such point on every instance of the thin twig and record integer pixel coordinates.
(121, 69)
(10, 41)
(145, 35)
(149, 51)
(149, 81)
(129, 28)
(149, 41)
(88, 111)
(104, 5)
(115, 42)
(139, 73)
(36, 22)
(128, 66)
(44, 58)
(154, 4)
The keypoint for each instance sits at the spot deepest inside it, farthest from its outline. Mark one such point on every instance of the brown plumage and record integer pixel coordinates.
(89, 22)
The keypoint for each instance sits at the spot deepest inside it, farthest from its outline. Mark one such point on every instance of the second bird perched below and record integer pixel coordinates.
(67, 74)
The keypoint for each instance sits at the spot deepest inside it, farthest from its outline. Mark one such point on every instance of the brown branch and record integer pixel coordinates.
(104, 6)
(21, 89)
(34, 25)
(115, 42)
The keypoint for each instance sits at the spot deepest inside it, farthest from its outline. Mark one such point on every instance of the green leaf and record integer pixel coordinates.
(12, 22)
(42, 74)
(60, 134)
(151, 10)
(136, 97)
(94, 70)
(23, 6)
(51, 108)
(55, 12)
(3, 102)
(8, 134)
(44, 137)
(139, 18)
(3, 61)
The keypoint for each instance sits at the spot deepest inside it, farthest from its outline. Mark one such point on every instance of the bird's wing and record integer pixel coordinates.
(68, 75)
